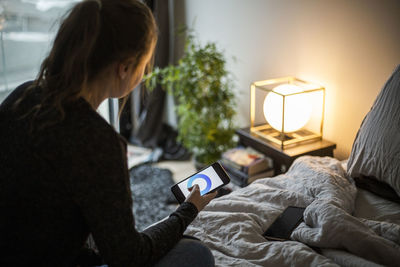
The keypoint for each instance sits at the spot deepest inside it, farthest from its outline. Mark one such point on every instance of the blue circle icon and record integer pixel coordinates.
(200, 176)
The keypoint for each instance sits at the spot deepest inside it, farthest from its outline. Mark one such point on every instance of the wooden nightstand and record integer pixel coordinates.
(283, 158)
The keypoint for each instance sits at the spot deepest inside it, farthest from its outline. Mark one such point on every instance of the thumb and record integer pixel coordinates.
(194, 187)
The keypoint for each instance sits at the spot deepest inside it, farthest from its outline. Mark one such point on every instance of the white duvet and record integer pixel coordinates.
(232, 225)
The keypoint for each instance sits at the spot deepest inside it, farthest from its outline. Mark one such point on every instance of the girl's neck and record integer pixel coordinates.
(97, 91)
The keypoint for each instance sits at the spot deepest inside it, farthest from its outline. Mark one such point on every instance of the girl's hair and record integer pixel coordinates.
(93, 35)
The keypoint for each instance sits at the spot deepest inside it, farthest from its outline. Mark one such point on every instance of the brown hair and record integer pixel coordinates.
(93, 35)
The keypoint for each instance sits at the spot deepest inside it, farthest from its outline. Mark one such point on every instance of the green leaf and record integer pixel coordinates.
(206, 104)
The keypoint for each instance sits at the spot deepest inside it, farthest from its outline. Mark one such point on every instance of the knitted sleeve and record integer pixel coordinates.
(104, 197)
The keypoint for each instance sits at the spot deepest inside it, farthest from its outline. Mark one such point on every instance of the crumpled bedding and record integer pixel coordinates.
(232, 226)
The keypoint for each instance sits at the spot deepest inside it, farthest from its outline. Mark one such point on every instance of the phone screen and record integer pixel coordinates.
(207, 179)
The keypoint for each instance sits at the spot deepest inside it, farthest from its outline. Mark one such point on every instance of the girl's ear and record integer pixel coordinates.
(123, 70)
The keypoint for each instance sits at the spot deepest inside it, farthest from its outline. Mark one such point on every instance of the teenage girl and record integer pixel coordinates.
(63, 171)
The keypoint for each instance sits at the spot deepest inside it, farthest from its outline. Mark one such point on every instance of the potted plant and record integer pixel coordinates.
(203, 90)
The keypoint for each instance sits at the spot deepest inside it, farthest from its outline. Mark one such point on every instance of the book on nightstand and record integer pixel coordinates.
(241, 179)
(246, 165)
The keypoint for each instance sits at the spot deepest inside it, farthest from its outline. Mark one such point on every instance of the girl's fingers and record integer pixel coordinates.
(210, 196)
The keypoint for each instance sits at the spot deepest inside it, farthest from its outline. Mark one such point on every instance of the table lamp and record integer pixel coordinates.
(292, 110)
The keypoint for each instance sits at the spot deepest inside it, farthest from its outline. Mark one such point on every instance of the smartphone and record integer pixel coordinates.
(283, 226)
(209, 180)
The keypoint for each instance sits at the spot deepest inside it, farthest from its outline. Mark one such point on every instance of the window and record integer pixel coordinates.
(27, 29)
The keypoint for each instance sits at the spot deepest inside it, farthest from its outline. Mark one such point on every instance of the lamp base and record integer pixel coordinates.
(284, 139)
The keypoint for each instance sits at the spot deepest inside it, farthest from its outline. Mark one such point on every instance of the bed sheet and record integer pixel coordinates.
(372, 207)
(232, 225)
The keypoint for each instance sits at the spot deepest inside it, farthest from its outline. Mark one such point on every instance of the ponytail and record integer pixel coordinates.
(64, 73)
(67, 64)
(94, 34)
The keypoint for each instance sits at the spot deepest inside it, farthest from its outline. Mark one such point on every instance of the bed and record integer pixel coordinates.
(344, 225)
(348, 225)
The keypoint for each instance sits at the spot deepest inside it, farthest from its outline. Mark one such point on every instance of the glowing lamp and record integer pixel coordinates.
(297, 108)
(292, 110)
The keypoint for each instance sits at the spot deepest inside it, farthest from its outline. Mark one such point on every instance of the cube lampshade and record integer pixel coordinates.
(292, 110)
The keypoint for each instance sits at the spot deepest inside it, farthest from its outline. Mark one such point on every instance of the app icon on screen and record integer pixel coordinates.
(202, 177)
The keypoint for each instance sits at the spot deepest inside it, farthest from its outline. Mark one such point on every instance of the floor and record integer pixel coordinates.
(180, 169)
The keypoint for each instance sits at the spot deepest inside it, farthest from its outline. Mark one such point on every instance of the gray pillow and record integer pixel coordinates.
(376, 149)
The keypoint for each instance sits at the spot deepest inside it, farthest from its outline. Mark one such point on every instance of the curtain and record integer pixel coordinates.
(142, 119)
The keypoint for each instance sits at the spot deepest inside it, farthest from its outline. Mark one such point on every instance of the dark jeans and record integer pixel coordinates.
(188, 252)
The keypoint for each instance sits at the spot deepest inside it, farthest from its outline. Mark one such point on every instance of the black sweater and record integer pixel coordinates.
(59, 184)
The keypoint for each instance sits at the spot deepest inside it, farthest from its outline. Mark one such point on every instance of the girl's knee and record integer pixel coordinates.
(190, 253)
(198, 251)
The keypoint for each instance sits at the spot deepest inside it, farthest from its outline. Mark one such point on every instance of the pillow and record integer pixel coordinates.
(376, 149)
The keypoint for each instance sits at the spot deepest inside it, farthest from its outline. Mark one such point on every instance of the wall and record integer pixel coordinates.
(350, 47)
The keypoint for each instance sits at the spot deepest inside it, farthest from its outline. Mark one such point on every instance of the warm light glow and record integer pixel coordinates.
(297, 108)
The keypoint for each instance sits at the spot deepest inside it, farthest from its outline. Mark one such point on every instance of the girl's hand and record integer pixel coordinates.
(196, 199)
